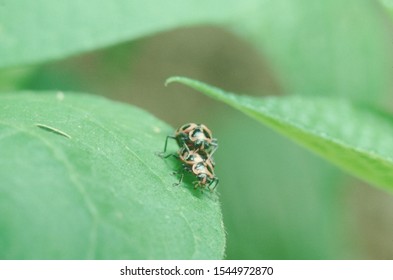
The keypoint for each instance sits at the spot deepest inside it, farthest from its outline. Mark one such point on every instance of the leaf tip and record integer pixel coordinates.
(174, 79)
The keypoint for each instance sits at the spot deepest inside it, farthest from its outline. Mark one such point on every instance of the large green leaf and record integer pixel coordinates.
(335, 48)
(355, 136)
(80, 180)
(37, 31)
(388, 4)
(325, 47)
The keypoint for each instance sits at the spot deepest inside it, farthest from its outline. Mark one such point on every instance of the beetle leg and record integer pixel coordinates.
(166, 141)
(168, 155)
(215, 147)
(196, 184)
(216, 181)
(180, 180)
(161, 154)
(187, 148)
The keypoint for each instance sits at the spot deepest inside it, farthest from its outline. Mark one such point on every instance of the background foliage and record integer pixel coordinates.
(279, 201)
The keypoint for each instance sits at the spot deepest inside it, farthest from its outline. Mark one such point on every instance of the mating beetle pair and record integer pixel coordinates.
(196, 149)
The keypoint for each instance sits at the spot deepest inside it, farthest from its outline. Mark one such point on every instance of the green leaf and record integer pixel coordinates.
(37, 31)
(388, 4)
(335, 48)
(354, 136)
(80, 180)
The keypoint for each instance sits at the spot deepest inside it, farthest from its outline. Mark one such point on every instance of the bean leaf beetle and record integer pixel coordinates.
(196, 147)
(196, 137)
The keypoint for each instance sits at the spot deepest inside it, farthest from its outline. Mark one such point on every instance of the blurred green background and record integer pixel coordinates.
(279, 200)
